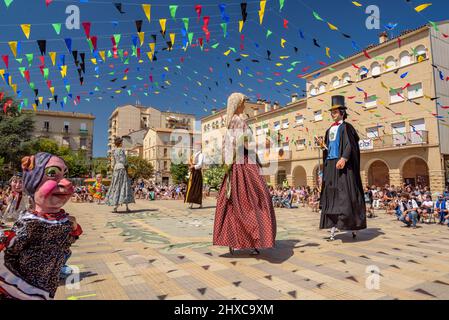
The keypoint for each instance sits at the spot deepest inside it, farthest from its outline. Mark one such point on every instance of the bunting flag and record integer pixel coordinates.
(86, 26)
(241, 23)
(262, 10)
(13, 47)
(8, 3)
(281, 5)
(26, 29)
(147, 10)
(119, 7)
(42, 46)
(198, 9)
(422, 7)
(163, 24)
(57, 28)
(186, 24)
(173, 9)
(243, 8)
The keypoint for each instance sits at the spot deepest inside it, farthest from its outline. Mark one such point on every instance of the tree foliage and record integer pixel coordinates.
(179, 172)
(213, 176)
(15, 131)
(139, 168)
(100, 165)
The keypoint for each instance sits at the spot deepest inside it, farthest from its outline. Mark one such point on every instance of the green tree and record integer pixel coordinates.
(179, 172)
(213, 176)
(15, 131)
(44, 145)
(100, 165)
(139, 168)
(75, 161)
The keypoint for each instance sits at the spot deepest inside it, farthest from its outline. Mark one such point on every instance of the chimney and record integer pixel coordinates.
(383, 37)
(214, 111)
(267, 107)
(294, 97)
(276, 105)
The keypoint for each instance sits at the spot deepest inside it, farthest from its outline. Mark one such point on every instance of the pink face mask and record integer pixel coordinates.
(55, 189)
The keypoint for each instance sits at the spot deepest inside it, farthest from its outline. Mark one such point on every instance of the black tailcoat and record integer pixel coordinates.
(342, 200)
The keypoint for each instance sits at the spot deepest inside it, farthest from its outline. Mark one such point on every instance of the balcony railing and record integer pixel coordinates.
(399, 140)
(84, 132)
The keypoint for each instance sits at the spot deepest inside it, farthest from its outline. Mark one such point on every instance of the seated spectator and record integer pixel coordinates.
(446, 193)
(368, 194)
(409, 210)
(441, 209)
(426, 209)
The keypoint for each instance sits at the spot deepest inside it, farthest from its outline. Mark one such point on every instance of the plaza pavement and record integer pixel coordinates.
(162, 250)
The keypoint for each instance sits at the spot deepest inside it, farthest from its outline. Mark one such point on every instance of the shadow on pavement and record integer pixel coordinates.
(281, 253)
(137, 211)
(362, 235)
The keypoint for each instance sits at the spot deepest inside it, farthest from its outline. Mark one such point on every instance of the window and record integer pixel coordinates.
(318, 116)
(83, 143)
(404, 58)
(335, 82)
(363, 73)
(313, 91)
(417, 131)
(165, 152)
(277, 126)
(375, 69)
(399, 136)
(258, 131)
(322, 87)
(372, 133)
(396, 96)
(415, 91)
(285, 124)
(165, 165)
(66, 126)
(83, 127)
(346, 78)
(265, 128)
(390, 63)
(299, 120)
(371, 102)
(46, 126)
(421, 53)
(301, 144)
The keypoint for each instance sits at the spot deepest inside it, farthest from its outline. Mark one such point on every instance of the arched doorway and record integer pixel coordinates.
(281, 176)
(416, 172)
(317, 175)
(378, 174)
(299, 177)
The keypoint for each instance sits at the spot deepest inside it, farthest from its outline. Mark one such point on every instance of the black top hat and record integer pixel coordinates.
(338, 102)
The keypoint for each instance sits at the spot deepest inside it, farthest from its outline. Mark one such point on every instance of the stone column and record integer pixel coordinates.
(437, 178)
(290, 180)
(310, 181)
(395, 177)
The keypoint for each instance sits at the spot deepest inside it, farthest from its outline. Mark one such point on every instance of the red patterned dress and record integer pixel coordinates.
(244, 218)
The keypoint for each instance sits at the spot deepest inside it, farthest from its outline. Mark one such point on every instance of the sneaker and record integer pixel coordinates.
(66, 271)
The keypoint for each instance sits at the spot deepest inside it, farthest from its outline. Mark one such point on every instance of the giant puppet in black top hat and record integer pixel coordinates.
(338, 102)
(342, 198)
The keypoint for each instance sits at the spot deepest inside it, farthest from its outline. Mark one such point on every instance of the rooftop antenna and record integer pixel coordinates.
(137, 102)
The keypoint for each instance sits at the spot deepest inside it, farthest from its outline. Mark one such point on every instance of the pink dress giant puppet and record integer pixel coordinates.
(33, 252)
(245, 217)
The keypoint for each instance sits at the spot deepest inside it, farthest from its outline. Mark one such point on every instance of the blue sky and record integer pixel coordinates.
(198, 80)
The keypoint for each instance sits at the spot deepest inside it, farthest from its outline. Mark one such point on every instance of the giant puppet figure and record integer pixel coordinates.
(33, 252)
(342, 200)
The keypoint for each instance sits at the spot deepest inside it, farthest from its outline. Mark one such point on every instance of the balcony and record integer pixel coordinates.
(394, 141)
(84, 132)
